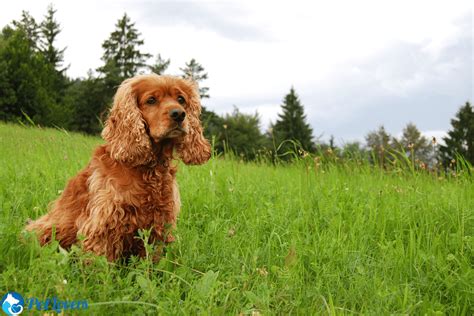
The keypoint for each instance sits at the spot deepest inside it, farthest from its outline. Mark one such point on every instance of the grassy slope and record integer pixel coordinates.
(250, 237)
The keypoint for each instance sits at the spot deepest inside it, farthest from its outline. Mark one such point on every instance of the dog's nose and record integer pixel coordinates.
(177, 115)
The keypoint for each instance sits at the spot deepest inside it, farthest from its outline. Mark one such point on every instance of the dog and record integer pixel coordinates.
(130, 182)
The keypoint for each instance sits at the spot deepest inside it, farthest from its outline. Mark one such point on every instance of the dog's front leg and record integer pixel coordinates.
(103, 230)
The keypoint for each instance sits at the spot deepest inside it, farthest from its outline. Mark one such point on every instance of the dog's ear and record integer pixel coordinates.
(194, 149)
(125, 129)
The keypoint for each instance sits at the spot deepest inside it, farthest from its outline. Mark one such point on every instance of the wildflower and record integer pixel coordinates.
(433, 141)
(224, 126)
(410, 146)
(317, 162)
(262, 271)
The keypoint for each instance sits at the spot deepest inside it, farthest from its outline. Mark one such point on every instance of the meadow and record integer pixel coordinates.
(313, 237)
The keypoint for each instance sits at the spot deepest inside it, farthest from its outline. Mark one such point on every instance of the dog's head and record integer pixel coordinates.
(153, 109)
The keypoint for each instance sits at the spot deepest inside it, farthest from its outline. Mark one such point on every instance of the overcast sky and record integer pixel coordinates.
(355, 65)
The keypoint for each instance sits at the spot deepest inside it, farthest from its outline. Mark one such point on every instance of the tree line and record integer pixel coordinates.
(34, 87)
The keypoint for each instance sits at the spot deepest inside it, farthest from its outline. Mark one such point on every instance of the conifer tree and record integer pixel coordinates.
(460, 139)
(195, 71)
(50, 29)
(160, 65)
(122, 56)
(291, 125)
(28, 25)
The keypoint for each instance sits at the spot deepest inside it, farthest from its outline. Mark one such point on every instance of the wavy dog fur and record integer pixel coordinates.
(130, 182)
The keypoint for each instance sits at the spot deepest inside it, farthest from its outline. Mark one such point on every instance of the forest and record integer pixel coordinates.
(35, 89)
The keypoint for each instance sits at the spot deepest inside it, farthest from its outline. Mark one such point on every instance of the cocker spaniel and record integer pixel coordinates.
(130, 182)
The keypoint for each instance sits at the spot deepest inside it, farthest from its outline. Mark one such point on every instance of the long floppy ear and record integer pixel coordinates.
(194, 149)
(125, 129)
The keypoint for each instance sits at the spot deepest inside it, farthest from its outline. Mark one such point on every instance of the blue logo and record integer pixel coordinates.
(12, 303)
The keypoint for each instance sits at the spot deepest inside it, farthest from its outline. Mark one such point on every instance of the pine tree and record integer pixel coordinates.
(460, 139)
(50, 29)
(412, 142)
(160, 65)
(27, 24)
(122, 56)
(291, 125)
(195, 71)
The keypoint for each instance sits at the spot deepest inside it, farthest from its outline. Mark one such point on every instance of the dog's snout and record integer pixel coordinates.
(177, 115)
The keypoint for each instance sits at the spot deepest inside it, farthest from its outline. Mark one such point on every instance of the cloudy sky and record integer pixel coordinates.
(355, 65)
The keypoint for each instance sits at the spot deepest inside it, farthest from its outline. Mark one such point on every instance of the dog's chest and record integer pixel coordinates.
(150, 197)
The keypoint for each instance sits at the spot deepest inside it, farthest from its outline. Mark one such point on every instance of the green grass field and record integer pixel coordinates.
(252, 238)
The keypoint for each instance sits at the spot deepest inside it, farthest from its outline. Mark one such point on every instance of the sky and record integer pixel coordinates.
(355, 65)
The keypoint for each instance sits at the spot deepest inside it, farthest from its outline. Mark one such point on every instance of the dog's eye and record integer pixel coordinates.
(181, 100)
(151, 100)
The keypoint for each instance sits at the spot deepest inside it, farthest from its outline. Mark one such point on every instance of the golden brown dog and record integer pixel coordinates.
(130, 184)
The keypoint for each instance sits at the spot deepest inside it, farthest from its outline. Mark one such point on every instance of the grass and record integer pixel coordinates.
(252, 238)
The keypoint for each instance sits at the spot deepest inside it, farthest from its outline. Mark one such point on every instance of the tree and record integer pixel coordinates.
(412, 142)
(379, 142)
(88, 99)
(122, 56)
(212, 124)
(160, 65)
(332, 143)
(460, 139)
(353, 150)
(241, 135)
(30, 28)
(195, 71)
(25, 79)
(50, 29)
(291, 125)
